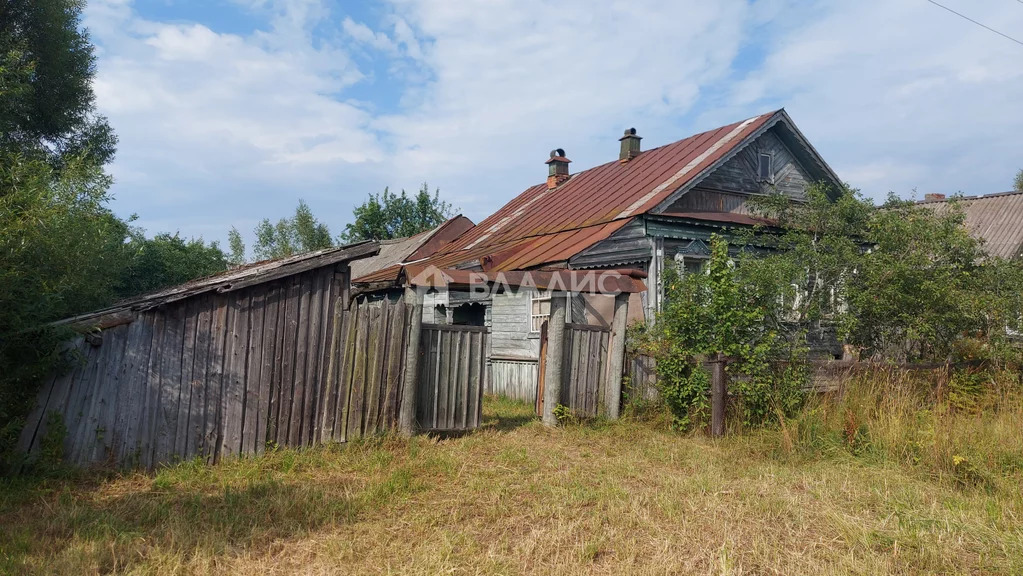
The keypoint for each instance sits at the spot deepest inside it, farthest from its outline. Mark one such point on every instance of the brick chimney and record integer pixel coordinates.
(557, 168)
(630, 145)
(933, 197)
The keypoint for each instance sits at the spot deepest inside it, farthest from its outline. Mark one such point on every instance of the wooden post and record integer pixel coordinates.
(407, 417)
(717, 396)
(555, 345)
(613, 394)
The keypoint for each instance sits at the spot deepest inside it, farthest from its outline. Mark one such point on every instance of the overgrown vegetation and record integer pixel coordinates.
(388, 215)
(517, 498)
(900, 282)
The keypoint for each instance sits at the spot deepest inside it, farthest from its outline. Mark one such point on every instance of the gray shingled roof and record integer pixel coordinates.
(996, 218)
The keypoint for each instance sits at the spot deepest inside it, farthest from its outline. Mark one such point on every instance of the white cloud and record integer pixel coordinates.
(219, 129)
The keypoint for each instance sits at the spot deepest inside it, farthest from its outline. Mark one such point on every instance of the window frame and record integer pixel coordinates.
(769, 178)
(539, 296)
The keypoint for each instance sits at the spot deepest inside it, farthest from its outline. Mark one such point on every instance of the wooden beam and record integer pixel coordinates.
(613, 391)
(717, 397)
(407, 416)
(555, 346)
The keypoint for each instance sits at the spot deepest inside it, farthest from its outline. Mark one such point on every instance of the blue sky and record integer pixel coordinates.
(229, 111)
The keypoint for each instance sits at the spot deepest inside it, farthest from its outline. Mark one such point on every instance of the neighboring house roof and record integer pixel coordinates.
(411, 248)
(545, 226)
(996, 218)
(231, 280)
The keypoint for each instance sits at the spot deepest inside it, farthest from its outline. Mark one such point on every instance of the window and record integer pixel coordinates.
(765, 168)
(539, 310)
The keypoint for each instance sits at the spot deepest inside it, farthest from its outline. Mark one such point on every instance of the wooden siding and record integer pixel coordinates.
(510, 335)
(584, 366)
(513, 378)
(210, 376)
(740, 173)
(626, 246)
(451, 373)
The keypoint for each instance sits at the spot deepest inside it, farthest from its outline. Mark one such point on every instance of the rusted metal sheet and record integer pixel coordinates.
(544, 226)
(996, 218)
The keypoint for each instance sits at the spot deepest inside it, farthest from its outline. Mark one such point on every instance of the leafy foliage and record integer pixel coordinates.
(47, 105)
(722, 313)
(1018, 182)
(300, 233)
(166, 260)
(384, 216)
(236, 245)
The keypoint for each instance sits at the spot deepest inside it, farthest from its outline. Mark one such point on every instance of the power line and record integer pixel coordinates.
(965, 17)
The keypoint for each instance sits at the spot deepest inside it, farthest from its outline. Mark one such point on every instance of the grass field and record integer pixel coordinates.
(516, 498)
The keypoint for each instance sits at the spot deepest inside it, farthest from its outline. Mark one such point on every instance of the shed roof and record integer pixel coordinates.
(544, 226)
(995, 218)
(234, 279)
(411, 248)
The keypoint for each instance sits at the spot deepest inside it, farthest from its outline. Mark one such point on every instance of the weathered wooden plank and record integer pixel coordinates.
(346, 374)
(53, 394)
(301, 383)
(236, 362)
(78, 402)
(357, 401)
(269, 369)
(140, 334)
(151, 401)
(190, 309)
(395, 353)
(378, 326)
(110, 387)
(85, 434)
(333, 284)
(289, 321)
(219, 327)
(314, 319)
(465, 379)
(199, 376)
(444, 359)
(170, 384)
(253, 371)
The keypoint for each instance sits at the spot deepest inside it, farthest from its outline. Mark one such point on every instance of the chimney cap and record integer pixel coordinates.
(557, 155)
(630, 133)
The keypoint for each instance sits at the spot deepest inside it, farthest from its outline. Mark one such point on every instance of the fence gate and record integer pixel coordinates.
(584, 364)
(452, 367)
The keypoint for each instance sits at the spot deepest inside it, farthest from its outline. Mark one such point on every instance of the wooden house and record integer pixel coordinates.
(636, 214)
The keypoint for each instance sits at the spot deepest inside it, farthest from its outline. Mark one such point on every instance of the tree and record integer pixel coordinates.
(1018, 184)
(47, 105)
(166, 260)
(385, 216)
(237, 247)
(300, 233)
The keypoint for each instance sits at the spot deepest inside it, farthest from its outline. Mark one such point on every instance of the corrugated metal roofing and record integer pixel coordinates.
(996, 218)
(543, 226)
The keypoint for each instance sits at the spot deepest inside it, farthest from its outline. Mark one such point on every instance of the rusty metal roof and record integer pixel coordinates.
(543, 226)
(995, 218)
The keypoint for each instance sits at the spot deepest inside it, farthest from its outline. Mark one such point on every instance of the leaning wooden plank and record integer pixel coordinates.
(378, 321)
(331, 288)
(346, 374)
(314, 320)
(357, 402)
(52, 393)
(85, 435)
(78, 398)
(117, 339)
(394, 355)
(219, 326)
(268, 369)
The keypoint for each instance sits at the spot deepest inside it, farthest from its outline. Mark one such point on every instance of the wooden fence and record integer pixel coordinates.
(513, 378)
(584, 366)
(452, 368)
(642, 378)
(363, 386)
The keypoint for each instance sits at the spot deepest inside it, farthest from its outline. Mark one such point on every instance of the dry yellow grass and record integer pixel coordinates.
(516, 498)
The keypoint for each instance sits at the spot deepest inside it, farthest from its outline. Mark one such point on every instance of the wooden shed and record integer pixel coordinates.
(217, 367)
